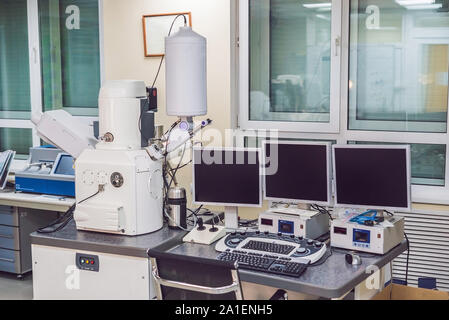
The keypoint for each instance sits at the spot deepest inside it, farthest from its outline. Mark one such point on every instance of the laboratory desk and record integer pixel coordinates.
(35, 201)
(20, 215)
(331, 280)
(122, 265)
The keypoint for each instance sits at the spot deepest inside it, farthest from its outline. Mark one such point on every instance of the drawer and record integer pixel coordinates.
(9, 216)
(9, 238)
(9, 261)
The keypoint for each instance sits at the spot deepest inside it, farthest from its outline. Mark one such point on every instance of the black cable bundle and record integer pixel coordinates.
(408, 258)
(65, 219)
(62, 221)
(322, 210)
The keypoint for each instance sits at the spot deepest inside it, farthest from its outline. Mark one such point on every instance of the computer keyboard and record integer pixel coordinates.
(269, 264)
(282, 254)
(269, 247)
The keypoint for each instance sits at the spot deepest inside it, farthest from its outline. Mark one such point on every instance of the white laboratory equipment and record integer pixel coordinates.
(119, 183)
(119, 180)
(185, 54)
(118, 186)
(60, 128)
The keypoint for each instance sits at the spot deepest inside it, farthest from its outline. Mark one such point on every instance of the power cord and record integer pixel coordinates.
(408, 258)
(67, 217)
(160, 65)
(322, 210)
(389, 213)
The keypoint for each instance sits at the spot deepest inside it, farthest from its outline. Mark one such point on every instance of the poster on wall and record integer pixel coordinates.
(156, 28)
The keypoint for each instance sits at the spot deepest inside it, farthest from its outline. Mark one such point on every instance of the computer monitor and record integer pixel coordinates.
(227, 177)
(6, 159)
(297, 172)
(372, 177)
(64, 165)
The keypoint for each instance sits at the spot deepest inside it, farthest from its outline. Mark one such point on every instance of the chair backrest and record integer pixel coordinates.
(180, 277)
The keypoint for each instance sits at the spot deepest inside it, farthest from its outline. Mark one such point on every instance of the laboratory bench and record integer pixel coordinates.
(333, 279)
(20, 215)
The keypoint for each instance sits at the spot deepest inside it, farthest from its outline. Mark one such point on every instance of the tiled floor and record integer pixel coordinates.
(12, 288)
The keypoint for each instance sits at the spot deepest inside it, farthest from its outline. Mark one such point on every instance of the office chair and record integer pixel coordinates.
(179, 277)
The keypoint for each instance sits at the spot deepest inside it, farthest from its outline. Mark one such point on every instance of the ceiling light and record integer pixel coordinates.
(425, 6)
(414, 2)
(317, 5)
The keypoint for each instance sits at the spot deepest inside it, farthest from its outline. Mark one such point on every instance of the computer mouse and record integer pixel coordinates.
(353, 259)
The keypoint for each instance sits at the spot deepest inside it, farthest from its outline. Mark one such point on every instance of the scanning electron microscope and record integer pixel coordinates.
(119, 178)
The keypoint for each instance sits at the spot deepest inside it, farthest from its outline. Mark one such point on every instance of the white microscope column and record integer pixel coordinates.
(131, 203)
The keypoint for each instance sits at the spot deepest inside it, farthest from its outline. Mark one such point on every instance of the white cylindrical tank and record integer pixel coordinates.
(119, 114)
(186, 74)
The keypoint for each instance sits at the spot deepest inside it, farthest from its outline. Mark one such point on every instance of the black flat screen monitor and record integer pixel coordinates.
(297, 172)
(227, 177)
(372, 177)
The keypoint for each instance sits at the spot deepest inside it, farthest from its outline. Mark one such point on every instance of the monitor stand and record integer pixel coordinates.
(232, 218)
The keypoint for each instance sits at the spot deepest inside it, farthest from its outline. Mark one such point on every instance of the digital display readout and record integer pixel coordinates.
(362, 236)
(266, 222)
(286, 227)
(338, 230)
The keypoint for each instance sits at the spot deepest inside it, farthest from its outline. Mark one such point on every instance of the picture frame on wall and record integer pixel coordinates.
(156, 28)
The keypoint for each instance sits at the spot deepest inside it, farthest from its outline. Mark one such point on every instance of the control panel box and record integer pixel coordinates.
(377, 239)
(87, 262)
(310, 226)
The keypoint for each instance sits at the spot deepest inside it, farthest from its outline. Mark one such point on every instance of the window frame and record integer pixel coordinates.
(244, 121)
(36, 73)
(246, 128)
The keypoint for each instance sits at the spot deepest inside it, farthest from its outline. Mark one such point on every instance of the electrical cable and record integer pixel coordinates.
(66, 218)
(160, 66)
(322, 210)
(183, 166)
(164, 168)
(408, 259)
(169, 33)
(389, 213)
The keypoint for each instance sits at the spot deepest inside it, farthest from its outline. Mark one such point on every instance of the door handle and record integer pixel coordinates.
(337, 46)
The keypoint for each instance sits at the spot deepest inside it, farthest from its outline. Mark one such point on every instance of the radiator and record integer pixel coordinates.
(428, 233)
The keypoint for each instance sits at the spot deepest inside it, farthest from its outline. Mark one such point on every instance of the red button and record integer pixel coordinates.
(91, 262)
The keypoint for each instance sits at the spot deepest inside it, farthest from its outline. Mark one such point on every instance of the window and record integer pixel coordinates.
(70, 56)
(379, 69)
(292, 61)
(19, 140)
(399, 62)
(49, 59)
(14, 65)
